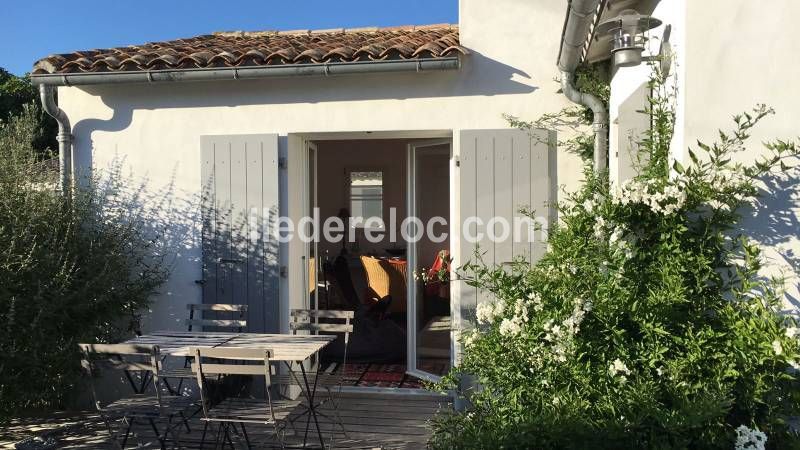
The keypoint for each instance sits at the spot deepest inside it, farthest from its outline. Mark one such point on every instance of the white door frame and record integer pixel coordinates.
(310, 201)
(411, 258)
(297, 198)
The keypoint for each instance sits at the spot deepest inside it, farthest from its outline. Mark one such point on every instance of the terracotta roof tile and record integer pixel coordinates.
(237, 48)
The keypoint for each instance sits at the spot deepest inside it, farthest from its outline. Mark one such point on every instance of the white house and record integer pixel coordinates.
(370, 122)
(270, 124)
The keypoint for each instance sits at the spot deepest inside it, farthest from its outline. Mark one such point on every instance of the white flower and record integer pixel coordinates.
(486, 312)
(777, 347)
(750, 439)
(623, 243)
(510, 327)
(599, 227)
(667, 200)
(521, 310)
(470, 339)
(588, 206)
(536, 301)
(560, 352)
(791, 332)
(616, 235)
(716, 204)
(618, 368)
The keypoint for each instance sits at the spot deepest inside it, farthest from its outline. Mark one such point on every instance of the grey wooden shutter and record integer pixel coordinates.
(239, 210)
(500, 172)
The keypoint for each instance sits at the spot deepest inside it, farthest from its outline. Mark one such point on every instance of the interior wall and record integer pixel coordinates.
(335, 159)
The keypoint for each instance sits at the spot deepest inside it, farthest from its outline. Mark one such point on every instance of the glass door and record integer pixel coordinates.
(429, 318)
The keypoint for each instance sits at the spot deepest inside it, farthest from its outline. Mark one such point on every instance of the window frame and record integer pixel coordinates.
(349, 194)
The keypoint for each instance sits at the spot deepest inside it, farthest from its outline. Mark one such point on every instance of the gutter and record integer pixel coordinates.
(64, 138)
(248, 72)
(580, 15)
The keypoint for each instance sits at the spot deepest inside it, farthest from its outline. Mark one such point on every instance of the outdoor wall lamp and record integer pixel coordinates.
(627, 33)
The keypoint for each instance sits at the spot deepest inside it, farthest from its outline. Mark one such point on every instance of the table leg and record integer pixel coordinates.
(311, 405)
(310, 394)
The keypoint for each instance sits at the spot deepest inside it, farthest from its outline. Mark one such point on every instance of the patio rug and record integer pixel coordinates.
(380, 375)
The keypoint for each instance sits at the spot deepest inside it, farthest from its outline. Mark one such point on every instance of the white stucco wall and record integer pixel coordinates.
(739, 53)
(629, 91)
(729, 56)
(155, 129)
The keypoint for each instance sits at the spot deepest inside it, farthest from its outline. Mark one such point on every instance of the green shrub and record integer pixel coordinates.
(69, 271)
(646, 325)
(15, 93)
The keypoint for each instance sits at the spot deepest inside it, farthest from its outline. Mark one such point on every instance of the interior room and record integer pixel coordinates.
(373, 185)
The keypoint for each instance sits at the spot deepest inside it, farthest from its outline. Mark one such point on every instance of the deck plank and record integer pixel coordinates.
(371, 420)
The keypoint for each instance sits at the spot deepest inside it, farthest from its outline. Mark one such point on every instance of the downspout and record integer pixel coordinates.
(64, 138)
(600, 122)
(580, 14)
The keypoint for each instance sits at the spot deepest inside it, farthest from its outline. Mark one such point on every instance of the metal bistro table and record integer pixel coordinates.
(286, 348)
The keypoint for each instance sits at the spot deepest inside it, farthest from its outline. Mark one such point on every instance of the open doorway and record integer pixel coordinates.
(398, 286)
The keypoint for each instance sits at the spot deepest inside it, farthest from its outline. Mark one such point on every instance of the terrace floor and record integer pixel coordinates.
(374, 420)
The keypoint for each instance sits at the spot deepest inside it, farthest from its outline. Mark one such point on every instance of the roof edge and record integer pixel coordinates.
(435, 26)
(248, 72)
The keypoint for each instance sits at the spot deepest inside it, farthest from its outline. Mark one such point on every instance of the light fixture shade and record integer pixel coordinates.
(627, 57)
(627, 33)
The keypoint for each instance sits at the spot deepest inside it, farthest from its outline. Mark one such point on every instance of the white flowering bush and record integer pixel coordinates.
(646, 325)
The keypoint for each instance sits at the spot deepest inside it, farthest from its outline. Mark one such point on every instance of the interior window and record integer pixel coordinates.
(366, 197)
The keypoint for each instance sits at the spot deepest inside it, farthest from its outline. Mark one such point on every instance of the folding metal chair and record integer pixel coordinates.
(239, 409)
(332, 377)
(151, 409)
(230, 318)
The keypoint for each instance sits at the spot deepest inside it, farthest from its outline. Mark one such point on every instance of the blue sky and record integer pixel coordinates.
(31, 29)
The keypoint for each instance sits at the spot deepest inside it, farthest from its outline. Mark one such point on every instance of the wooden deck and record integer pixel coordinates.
(372, 421)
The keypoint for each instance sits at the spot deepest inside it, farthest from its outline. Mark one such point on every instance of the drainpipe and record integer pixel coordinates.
(600, 122)
(47, 95)
(580, 14)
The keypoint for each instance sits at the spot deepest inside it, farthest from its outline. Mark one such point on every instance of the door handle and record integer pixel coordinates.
(228, 261)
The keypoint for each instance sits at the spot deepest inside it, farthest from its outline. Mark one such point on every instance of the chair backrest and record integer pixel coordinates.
(228, 361)
(231, 361)
(228, 317)
(125, 358)
(387, 278)
(333, 321)
(377, 276)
